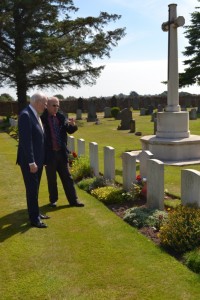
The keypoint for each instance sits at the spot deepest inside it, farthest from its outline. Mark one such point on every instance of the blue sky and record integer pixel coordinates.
(139, 62)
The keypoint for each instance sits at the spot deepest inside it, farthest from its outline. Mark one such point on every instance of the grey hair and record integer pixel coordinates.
(37, 97)
(53, 99)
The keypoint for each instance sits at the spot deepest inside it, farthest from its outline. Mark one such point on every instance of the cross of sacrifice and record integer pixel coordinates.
(173, 81)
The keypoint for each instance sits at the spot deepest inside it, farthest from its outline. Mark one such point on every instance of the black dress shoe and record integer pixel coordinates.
(44, 217)
(77, 204)
(53, 204)
(39, 225)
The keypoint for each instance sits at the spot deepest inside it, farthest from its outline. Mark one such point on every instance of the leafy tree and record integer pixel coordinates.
(192, 72)
(133, 94)
(6, 97)
(42, 45)
(59, 96)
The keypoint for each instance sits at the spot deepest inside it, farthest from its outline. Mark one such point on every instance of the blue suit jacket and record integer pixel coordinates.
(31, 139)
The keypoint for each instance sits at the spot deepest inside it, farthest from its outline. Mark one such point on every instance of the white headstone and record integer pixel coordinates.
(109, 163)
(129, 169)
(190, 187)
(71, 143)
(143, 157)
(81, 147)
(94, 158)
(155, 184)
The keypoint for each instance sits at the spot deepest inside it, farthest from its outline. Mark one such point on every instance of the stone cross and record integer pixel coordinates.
(173, 81)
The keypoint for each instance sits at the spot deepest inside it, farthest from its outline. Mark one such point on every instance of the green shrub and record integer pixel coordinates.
(89, 184)
(141, 216)
(85, 184)
(81, 168)
(192, 260)
(181, 232)
(109, 194)
(99, 182)
(115, 111)
(5, 123)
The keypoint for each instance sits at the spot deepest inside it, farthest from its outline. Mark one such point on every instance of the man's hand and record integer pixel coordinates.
(71, 121)
(33, 168)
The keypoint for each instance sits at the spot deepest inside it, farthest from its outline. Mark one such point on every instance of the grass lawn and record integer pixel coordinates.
(85, 253)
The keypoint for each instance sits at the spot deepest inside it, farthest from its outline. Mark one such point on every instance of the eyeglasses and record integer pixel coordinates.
(55, 105)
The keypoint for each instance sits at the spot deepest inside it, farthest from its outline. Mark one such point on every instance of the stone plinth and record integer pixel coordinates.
(173, 125)
(173, 150)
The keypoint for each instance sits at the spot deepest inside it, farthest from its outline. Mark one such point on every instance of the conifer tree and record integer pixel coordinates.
(43, 45)
(191, 74)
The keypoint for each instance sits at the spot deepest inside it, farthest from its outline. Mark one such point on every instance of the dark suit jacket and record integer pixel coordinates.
(64, 128)
(31, 139)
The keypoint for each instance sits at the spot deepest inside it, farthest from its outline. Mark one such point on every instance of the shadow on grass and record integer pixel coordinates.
(13, 223)
(17, 222)
(47, 208)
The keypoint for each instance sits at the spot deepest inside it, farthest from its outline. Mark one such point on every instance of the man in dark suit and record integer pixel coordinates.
(56, 127)
(31, 153)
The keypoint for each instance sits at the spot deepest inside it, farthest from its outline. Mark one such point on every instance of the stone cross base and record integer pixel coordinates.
(173, 125)
(172, 150)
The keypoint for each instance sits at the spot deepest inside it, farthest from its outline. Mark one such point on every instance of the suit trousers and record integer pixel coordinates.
(32, 183)
(60, 166)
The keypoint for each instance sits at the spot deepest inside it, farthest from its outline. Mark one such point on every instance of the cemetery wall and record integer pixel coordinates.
(136, 102)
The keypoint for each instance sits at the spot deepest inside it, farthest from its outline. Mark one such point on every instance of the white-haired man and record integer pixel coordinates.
(30, 155)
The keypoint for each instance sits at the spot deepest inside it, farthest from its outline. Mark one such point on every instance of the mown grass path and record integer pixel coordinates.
(85, 253)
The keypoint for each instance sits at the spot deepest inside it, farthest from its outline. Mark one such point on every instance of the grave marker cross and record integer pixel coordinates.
(173, 82)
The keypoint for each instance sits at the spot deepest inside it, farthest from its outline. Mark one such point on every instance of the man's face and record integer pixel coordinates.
(53, 106)
(41, 105)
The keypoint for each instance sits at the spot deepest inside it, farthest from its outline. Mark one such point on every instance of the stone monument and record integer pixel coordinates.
(173, 143)
(125, 116)
(92, 116)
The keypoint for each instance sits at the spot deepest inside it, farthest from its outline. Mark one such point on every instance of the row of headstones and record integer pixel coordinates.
(107, 113)
(125, 115)
(127, 123)
(151, 169)
(92, 116)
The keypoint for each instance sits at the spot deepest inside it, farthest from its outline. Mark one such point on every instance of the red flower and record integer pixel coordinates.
(144, 191)
(138, 178)
(74, 154)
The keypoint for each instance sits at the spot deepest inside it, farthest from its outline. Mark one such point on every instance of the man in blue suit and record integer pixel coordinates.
(31, 154)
